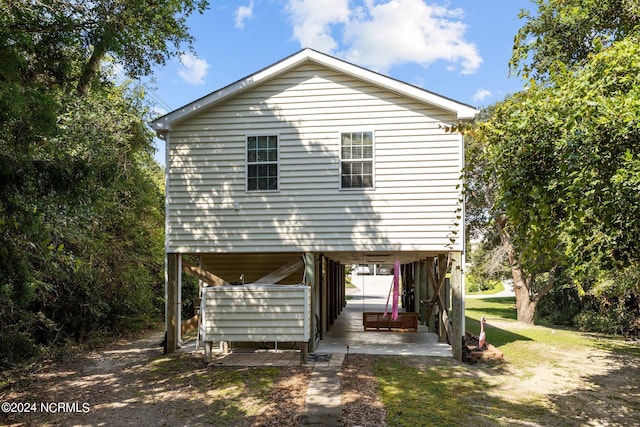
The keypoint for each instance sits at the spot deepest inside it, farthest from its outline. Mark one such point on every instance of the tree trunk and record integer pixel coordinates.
(526, 299)
(90, 69)
(525, 305)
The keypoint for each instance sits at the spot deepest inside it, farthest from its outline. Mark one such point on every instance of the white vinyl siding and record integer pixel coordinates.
(256, 313)
(415, 204)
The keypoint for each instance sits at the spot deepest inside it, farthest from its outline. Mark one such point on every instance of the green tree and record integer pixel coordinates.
(564, 33)
(81, 198)
(502, 193)
(556, 162)
(565, 156)
(137, 33)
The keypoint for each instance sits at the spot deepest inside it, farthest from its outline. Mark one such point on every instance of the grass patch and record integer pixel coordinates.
(425, 396)
(502, 308)
(614, 344)
(546, 369)
(441, 392)
(522, 344)
(502, 311)
(234, 394)
(497, 289)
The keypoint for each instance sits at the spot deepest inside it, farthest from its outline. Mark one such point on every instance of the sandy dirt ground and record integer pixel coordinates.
(132, 383)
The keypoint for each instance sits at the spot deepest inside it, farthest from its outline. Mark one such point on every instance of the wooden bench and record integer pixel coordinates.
(375, 321)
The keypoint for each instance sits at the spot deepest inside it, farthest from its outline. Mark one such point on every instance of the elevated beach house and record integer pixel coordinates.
(278, 181)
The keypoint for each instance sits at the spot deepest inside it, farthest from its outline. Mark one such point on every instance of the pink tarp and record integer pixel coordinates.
(395, 288)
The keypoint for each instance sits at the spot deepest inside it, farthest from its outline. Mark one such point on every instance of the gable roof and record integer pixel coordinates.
(165, 123)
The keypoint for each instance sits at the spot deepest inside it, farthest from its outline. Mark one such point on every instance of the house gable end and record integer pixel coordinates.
(166, 123)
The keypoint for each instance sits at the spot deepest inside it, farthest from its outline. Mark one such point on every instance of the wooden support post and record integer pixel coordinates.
(421, 291)
(408, 288)
(431, 286)
(330, 292)
(337, 305)
(340, 293)
(171, 321)
(457, 306)
(436, 306)
(407, 284)
(310, 281)
(207, 352)
(334, 291)
(304, 352)
(443, 266)
(343, 289)
(337, 295)
(324, 284)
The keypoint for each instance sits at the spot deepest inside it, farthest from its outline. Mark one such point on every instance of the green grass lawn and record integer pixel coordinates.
(499, 288)
(550, 376)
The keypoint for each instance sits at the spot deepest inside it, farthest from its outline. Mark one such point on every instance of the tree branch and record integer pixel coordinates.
(90, 70)
(550, 282)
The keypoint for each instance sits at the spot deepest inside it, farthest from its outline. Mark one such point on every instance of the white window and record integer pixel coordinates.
(262, 163)
(356, 165)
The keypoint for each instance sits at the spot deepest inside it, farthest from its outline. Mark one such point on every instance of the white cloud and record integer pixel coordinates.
(313, 21)
(194, 69)
(383, 33)
(481, 95)
(243, 13)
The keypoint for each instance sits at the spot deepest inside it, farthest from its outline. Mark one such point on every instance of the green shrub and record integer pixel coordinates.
(479, 284)
(592, 321)
(560, 305)
(16, 347)
(618, 316)
(17, 340)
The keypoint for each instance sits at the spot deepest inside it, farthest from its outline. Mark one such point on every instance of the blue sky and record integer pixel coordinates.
(459, 49)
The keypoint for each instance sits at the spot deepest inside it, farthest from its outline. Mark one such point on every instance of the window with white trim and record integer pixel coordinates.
(262, 163)
(356, 160)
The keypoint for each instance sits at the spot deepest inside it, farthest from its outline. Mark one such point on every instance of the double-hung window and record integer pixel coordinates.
(262, 163)
(356, 160)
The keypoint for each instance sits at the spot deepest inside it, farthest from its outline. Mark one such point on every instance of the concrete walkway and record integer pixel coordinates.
(324, 402)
